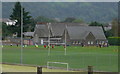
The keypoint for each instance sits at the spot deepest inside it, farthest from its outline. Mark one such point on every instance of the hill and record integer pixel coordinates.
(88, 11)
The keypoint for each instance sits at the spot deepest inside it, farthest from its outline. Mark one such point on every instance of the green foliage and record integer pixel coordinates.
(114, 41)
(78, 21)
(32, 25)
(115, 27)
(69, 19)
(6, 31)
(95, 24)
(44, 19)
(16, 15)
(109, 33)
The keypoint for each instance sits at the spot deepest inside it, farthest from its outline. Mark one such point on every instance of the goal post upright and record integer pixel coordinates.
(48, 39)
(21, 53)
(65, 36)
(65, 42)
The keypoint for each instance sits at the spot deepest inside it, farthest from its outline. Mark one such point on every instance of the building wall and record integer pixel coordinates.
(90, 40)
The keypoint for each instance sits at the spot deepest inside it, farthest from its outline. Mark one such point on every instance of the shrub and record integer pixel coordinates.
(114, 40)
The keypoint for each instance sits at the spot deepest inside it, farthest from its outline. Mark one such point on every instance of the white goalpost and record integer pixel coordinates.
(48, 39)
(55, 43)
(65, 43)
(67, 65)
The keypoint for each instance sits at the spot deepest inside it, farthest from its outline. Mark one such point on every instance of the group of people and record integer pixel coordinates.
(103, 45)
(53, 46)
(99, 45)
(46, 46)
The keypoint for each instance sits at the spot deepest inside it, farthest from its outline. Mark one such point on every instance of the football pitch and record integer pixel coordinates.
(102, 59)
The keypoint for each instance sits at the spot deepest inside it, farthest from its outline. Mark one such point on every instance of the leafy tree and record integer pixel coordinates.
(44, 19)
(95, 24)
(78, 21)
(6, 31)
(69, 19)
(32, 25)
(109, 33)
(115, 27)
(16, 15)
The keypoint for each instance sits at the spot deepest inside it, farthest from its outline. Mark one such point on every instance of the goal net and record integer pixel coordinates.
(67, 65)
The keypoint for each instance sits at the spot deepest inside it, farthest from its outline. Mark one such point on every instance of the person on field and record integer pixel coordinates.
(17, 45)
(82, 44)
(64, 46)
(11, 44)
(52, 46)
(36, 45)
(48, 46)
(100, 45)
(44, 46)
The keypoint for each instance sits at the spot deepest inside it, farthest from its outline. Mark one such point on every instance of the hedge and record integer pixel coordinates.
(114, 41)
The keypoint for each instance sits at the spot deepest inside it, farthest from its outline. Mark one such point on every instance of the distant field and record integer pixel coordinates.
(102, 59)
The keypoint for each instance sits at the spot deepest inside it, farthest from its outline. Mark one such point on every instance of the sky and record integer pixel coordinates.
(60, 0)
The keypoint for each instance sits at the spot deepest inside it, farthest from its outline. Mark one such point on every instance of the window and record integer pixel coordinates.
(73, 42)
(96, 42)
(79, 43)
(88, 42)
(76, 42)
(91, 42)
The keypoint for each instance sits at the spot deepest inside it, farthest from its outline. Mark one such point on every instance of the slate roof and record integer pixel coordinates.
(42, 30)
(57, 29)
(80, 32)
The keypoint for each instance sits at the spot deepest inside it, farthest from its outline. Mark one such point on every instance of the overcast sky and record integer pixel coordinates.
(60, 0)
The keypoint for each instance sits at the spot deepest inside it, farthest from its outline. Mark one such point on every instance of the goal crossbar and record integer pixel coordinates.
(58, 63)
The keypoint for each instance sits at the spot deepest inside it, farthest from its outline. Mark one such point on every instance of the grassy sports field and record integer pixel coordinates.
(102, 59)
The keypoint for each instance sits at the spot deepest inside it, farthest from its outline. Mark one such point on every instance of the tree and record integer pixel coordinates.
(32, 25)
(16, 15)
(69, 19)
(6, 31)
(78, 21)
(109, 33)
(115, 27)
(95, 24)
(44, 19)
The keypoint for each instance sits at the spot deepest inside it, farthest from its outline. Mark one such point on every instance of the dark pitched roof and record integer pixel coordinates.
(57, 29)
(41, 30)
(80, 32)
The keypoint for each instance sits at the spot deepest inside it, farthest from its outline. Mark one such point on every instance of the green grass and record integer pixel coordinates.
(102, 59)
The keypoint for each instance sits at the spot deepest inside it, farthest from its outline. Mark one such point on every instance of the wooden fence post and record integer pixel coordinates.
(90, 69)
(39, 70)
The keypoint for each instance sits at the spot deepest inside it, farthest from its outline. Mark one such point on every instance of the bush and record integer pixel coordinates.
(114, 41)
